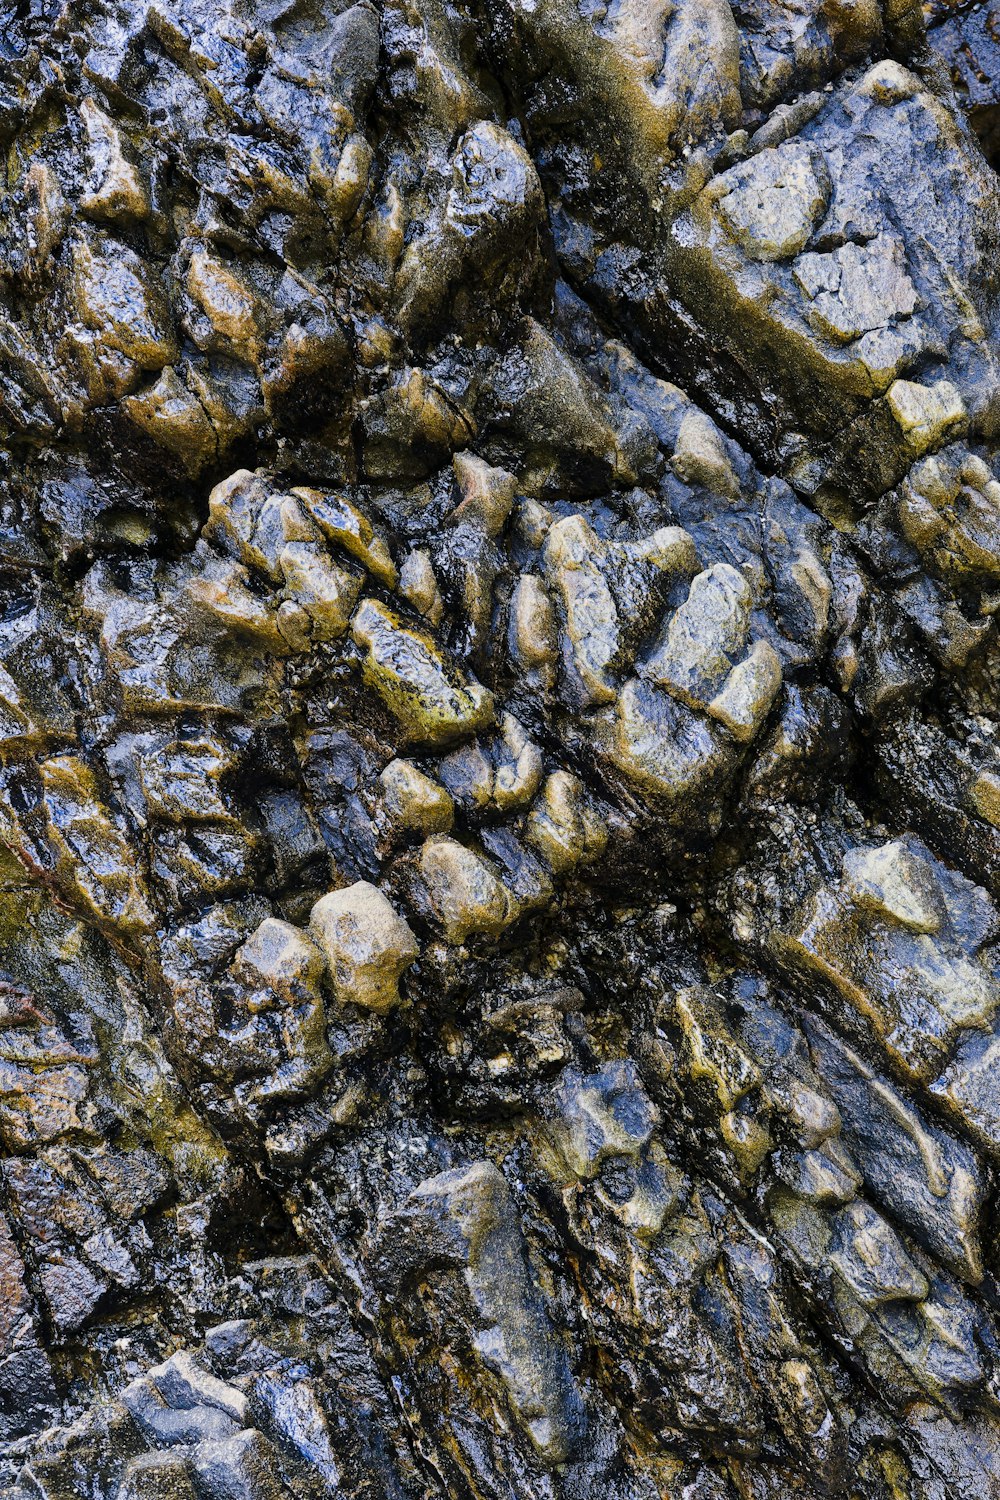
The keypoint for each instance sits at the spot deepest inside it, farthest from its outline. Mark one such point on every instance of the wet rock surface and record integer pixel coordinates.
(499, 776)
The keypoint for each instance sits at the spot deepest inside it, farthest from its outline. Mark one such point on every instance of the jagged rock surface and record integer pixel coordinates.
(499, 776)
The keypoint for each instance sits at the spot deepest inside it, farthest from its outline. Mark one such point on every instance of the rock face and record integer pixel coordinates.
(499, 770)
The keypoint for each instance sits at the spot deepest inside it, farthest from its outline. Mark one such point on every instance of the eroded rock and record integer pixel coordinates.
(499, 802)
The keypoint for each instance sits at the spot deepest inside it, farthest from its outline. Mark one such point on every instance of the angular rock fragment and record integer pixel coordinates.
(900, 938)
(467, 1216)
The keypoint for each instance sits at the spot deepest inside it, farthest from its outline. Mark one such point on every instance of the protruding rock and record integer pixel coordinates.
(564, 825)
(242, 1466)
(857, 290)
(319, 595)
(751, 687)
(664, 748)
(895, 882)
(418, 585)
(602, 1116)
(899, 939)
(949, 508)
(157, 1476)
(930, 1182)
(700, 455)
(482, 231)
(121, 322)
(415, 802)
(487, 493)
(773, 203)
(367, 945)
(225, 594)
(97, 862)
(590, 576)
(225, 314)
(533, 642)
(282, 955)
(178, 1402)
(470, 1213)
(173, 417)
(927, 416)
(970, 1087)
(427, 695)
(342, 523)
(244, 519)
(872, 1259)
(572, 553)
(704, 636)
(118, 191)
(465, 893)
(502, 773)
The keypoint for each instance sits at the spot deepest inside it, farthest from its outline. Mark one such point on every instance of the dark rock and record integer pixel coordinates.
(499, 793)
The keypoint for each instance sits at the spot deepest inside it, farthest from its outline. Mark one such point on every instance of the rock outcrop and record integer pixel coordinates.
(499, 775)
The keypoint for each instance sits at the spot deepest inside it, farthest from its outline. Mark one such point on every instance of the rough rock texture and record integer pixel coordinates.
(499, 762)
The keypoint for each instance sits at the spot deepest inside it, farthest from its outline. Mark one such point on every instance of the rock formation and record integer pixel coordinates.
(499, 761)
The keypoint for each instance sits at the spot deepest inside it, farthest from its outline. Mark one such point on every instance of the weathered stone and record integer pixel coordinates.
(100, 867)
(662, 747)
(282, 956)
(703, 637)
(949, 508)
(856, 290)
(899, 939)
(712, 1054)
(120, 327)
(532, 625)
(464, 890)
(601, 1117)
(173, 417)
(342, 523)
(118, 191)
(157, 1476)
(927, 416)
(931, 1183)
(245, 519)
(178, 1403)
(44, 1080)
(583, 570)
(514, 1339)
(498, 513)
(367, 945)
(872, 1260)
(224, 592)
(772, 204)
(316, 589)
(700, 456)
(571, 552)
(487, 493)
(415, 802)
(429, 698)
(745, 700)
(243, 1466)
(418, 585)
(564, 826)
(968, 1085)
(180, 782)
(478, 233)
(226, 304)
